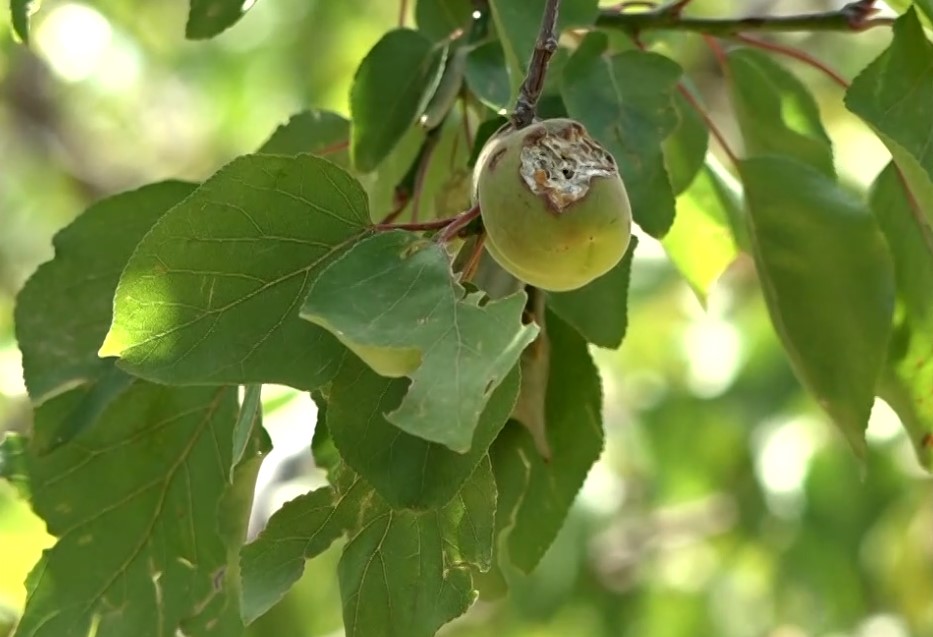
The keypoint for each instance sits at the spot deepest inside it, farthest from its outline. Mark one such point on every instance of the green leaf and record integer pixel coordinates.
(574, 431)
(393, 301)
(625, 102)
(685, 149)
(58, 337)
(701, 242)
(316, 132)
(139, 552)
(776, 112)
(208, 18)
(323, 450)
(249, 417)
(518, 22)
(816, 246)
(487, 76)
(389, 91)
(599, 310)
(408, 472)
(893, 96)
(908, 372)
(211, 294)
(302, 529)
(406, 574)
(925, 6)
(20, 10)
(437, 19)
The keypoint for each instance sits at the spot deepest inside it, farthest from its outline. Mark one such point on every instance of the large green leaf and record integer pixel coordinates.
(701, 242)
(208, 18)
(393, 301)
(438, 19)
(389, 90)
(134, 503)
(59, 338)
(599, 310)
(406, 574)
(19, 15)
(893, 95)
(776, 112)
(302, 529)
(925, 6)
(685, 149)
(315, 131)
(211, 294)
(625, 102)
(406, 471)
(827, 279)
(518, 22)
(487, 77)
(908, 373)
(541, 491)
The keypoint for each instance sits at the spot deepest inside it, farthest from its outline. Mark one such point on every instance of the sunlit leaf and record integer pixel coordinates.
(211, 294)
(138, 552)
(701, 242)
(393, 301)
(625, 102)
(908, 374)
(58, 337)
(406, 471)
(389, 90)
(776, 112)
(827, 279)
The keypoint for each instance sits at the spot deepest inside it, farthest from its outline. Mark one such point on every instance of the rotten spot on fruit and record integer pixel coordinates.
(561, 166)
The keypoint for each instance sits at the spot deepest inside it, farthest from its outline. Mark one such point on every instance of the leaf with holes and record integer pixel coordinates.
(211, 294)
(406, 471)
(393, 301)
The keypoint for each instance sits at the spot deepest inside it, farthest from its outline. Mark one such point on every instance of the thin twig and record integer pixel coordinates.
(430, 145)
(710, 124)
(853, 17)
(533, 83)
(334, 148)
(469, 270)
(436, 224)
(402, 13)
(458, 223)
(796, 54)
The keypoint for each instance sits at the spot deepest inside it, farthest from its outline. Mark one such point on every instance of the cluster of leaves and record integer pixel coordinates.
(162, 302)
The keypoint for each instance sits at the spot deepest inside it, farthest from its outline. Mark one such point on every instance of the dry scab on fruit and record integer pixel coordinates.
(553, 205)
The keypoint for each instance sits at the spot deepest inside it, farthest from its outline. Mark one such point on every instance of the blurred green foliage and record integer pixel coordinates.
(724, 505)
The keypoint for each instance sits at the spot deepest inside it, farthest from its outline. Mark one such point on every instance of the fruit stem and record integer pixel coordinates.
(457, 224)
(533, 84)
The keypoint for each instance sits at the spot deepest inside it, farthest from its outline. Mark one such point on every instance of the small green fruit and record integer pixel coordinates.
(553, 205)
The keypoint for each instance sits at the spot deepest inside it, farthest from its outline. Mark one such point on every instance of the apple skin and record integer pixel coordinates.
(554, 207)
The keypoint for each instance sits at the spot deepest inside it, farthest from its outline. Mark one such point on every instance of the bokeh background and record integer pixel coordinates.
(725, 503)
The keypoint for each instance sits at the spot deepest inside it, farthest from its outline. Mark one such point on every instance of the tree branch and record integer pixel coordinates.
(855, 16)
(533, 83)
